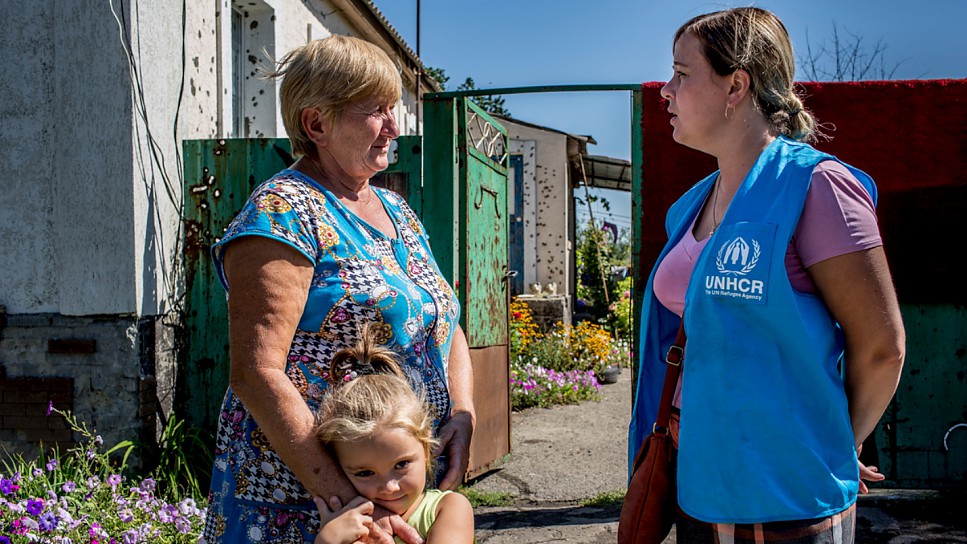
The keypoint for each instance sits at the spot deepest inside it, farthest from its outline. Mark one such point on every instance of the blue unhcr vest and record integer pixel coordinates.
(765, 433)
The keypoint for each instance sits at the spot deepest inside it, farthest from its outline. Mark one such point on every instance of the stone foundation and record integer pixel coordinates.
(547, 310)
(103, 369)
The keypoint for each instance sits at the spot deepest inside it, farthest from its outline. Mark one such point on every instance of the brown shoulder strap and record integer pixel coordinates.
(674, 359)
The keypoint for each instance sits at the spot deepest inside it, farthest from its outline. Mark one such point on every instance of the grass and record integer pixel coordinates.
(606, 499)
(486, 498)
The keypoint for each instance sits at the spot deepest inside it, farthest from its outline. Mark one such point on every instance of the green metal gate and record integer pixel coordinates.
(466, 182)
(463, 204)
(219, 176)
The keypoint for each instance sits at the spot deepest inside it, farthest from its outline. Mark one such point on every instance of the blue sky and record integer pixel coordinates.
(512, 43)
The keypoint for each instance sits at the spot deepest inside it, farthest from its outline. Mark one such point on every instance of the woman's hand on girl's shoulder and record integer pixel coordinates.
(454, 521)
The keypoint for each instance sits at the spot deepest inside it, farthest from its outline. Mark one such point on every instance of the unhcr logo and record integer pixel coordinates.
(735, 259)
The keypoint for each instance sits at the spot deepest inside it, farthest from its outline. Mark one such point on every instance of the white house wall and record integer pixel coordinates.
(66, 229)
(528, 214)
(91, 171)
(547, 244)
(75, 239)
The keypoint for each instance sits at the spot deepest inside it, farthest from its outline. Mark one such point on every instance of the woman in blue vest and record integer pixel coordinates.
(795, 340)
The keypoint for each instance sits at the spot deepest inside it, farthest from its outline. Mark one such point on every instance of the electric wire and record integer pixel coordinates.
(155, 166)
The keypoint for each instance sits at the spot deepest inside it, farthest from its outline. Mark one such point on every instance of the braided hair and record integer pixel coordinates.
(755, 40)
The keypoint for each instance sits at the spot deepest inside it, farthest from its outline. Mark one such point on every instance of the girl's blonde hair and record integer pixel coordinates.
(375, 396)
(328, 74)
(755, 40)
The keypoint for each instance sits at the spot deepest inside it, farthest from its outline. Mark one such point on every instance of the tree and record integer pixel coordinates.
(439, 75)
(490, 103)
(846, 58)
(601, 263)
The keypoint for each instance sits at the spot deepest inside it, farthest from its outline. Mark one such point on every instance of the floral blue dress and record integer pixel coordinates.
(360, 275)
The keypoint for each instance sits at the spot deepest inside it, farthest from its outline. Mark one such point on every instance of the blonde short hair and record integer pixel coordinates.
(328, 74)
(755, 40)
(378, 397)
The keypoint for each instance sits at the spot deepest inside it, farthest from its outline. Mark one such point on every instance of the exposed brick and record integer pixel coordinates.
(61, 398)
(25, 422)
(12, 410)
(56, 422)
(49, 437)
(38, 409)
(26, 396)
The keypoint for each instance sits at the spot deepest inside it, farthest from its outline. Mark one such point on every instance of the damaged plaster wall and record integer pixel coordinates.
(94, 114)
(527, 149)
(548, 241)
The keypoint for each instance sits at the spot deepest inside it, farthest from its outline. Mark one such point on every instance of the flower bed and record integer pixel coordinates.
(533, 385)
(84, 495)
(563, 366)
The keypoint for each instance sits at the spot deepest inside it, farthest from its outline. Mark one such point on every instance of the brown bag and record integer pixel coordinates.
(649, 507)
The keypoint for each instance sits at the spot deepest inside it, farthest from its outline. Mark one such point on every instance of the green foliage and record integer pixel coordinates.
(524, 332)
(181, 459)
(486, 498)
(490, 103)
(566, 348)
(606, 499)
(532, 385)
(439, 75)
(597, 256)
(594, 261)
(88, 493)
(561, 366)
(622, 311)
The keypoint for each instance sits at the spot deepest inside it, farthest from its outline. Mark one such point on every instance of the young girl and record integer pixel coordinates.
(381, 434)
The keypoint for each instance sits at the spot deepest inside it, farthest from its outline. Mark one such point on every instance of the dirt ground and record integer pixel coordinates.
(564, 455)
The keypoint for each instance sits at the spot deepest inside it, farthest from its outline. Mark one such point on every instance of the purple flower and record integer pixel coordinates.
(37, 472)
(50, 407)
(69, 487)
(51, 465)
(48, 522)
(182, 525)
(114, 480)
(148, 484)
(7, 486)
(187, 507)
(129, 537)
(166, 516)
(35, 506)
(126, 515)
(4, 540)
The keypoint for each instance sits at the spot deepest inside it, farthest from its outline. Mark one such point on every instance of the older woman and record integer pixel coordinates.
(316, 252)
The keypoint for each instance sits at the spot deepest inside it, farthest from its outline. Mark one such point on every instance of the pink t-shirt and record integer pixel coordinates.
(838, 218)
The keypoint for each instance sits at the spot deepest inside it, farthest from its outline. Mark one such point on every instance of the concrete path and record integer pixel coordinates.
(564, 455)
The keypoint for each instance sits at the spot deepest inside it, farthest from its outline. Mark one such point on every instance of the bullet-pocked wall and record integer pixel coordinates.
(547, 237)
(91, 212)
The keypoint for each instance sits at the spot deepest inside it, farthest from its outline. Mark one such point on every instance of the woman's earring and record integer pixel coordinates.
(727, 107)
